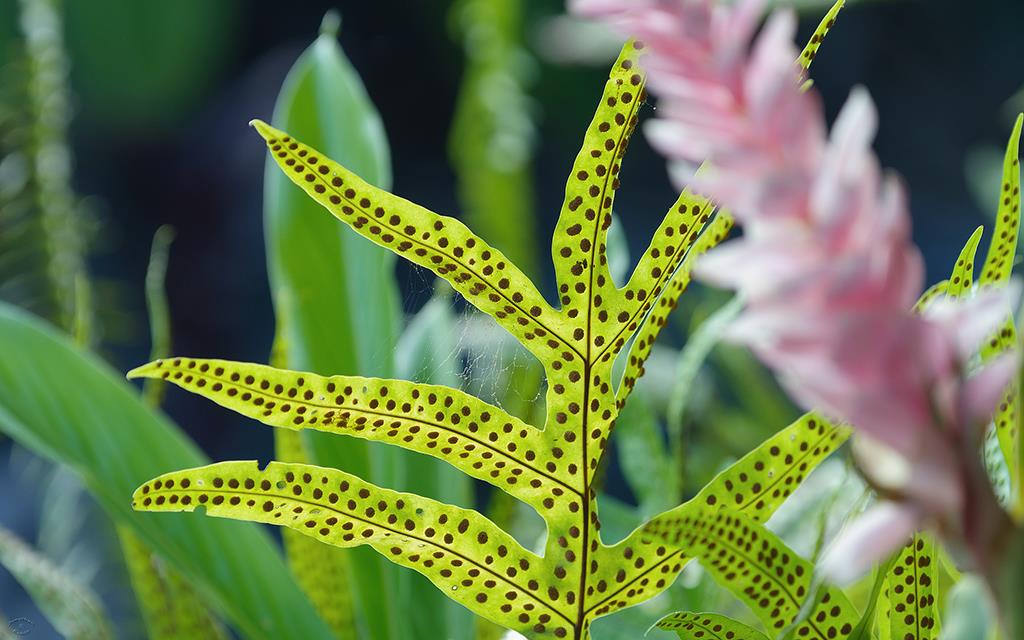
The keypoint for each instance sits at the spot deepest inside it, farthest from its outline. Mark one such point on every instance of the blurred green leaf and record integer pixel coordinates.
(694, 626)
(170, 607)
(654, 476)
(156, 305)
(969, 613)
(71, 408)
(141, 64)
(42, 234)
(492, 138)
(71, 607)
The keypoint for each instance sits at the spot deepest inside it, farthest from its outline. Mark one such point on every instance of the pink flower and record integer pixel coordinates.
(826, 265)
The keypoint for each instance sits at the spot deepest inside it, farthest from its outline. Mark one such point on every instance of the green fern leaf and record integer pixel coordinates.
(73, 609)
(1002, 249)
(930, 294)
(670, 290)
(999, 262)
(759, 569)
(707, 626)
(477, 438)
(464, 554)
(757, 485)
(811, 50)
(577, 578)
(962, 278)
(912, 612)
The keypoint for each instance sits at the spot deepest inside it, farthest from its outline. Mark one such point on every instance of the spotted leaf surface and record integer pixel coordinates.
(912, 590)
(1002, 248)
(579, 248)
(760, 570)
(460, 551)
(999, 261)
(577, 578)
(478, 438)
(657, 316)
(322, 572)
(811, 50)
(931, 293)
(962, 278)
(707, 626)
(442, 244)
(755, 485)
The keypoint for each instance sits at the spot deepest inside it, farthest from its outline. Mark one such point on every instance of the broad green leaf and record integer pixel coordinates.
(335, 297)
(323, 573)
(968, 613)
(170, 607)
(707, 626)
(912, 592)
(71, 607)
(691, 360)
(68, 406)
(759, 569)
(962, 278)
(811, 50)
(492, 135)
(428, 352)
(156, 305)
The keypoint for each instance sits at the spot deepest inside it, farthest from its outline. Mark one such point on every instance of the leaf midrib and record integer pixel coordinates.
(588, 500)
(381, 414)
(384, 225)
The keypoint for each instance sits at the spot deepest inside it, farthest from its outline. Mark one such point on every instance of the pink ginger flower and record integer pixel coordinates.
(826, 266)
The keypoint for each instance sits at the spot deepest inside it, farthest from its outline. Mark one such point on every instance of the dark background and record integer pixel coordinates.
(163, 92)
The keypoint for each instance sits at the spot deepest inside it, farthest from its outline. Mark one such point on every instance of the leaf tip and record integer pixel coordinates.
(148, 370)
(1015, 136)
(269, 133)
(331, 24)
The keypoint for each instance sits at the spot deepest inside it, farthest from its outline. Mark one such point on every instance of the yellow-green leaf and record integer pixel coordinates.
(707, 626)
(760, 570)
(811, 50)
(912, 593)
(1002, 249)
(962, 278)
(464, 554)
(478, 438)
(577, 578)
(655, 320)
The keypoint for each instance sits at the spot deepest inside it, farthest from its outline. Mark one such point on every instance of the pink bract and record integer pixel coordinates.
(826, 265)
